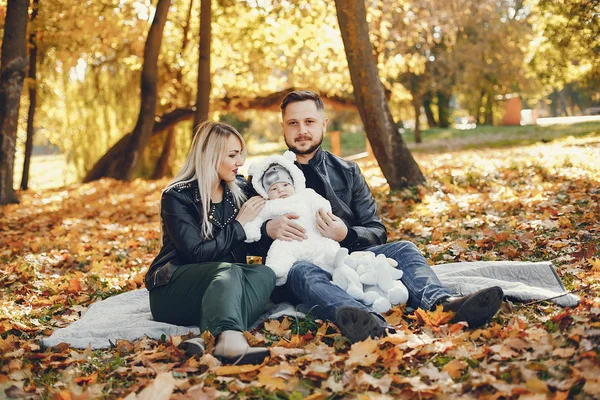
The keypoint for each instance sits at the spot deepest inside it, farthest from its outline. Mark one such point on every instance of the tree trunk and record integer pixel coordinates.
(563, 102)
(553, 103)
(32, 100)
(13, 65)
(392, 154)
(431, 122)
(163, 164)
(478, 116)
(204, 86)
(417, 131)
(489, 110)
(443, 109)
(124, 166)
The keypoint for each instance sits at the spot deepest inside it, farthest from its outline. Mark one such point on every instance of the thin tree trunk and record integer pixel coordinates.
(417, 131)
(563, 102)
(392, 154)
(489, 110)
(163, 164)
(204, 85)
(124, 166)
(443, 109)
(13, 66)
(431, 122)
(554, 103)
(32, 100)
(478, 115)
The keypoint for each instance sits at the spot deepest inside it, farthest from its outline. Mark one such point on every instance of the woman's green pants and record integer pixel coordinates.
(216, 296)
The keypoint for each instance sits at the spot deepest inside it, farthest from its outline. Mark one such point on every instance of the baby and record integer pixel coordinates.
(283, 184)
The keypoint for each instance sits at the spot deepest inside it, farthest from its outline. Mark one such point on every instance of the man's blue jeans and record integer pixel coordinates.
(311, 286)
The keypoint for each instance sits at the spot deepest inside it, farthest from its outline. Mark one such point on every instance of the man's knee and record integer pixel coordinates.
(403, 252)
(404, 246)
(303, 270)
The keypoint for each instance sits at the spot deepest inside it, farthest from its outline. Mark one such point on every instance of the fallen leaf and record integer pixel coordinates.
(363, 353)
(455, 368)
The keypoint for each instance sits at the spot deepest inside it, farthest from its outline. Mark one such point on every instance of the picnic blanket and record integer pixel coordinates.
(127, 316)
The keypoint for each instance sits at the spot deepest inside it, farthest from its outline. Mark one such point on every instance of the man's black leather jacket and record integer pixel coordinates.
(351, 200)
(181, 216)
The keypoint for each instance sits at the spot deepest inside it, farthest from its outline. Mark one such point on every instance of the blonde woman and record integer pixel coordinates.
(200, 276)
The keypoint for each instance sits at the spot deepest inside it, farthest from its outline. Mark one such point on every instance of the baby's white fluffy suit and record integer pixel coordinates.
(317, 248)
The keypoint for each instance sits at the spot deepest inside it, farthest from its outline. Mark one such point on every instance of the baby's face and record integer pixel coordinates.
(280, 190)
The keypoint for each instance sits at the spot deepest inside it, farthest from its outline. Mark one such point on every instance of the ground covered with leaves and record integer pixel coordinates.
(63, 249)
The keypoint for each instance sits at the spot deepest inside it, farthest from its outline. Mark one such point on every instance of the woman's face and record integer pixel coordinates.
(232, 161)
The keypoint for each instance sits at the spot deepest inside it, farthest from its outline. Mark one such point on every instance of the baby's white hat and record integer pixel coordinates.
(273, 169)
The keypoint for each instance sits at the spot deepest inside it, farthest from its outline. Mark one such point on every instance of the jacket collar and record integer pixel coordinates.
(317, 159)
(226, 191)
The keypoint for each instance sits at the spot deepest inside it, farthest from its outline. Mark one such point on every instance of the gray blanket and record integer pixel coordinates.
(127, 316)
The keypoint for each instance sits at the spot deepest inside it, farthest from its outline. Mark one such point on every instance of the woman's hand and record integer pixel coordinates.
(250, 210)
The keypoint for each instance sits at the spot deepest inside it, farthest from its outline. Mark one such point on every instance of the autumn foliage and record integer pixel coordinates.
(62, 249)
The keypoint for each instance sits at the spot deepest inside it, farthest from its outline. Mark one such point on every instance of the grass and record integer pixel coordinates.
(438, 140)
(45, 171)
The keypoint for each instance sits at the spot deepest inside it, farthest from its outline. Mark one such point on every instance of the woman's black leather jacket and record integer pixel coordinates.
(181, 218)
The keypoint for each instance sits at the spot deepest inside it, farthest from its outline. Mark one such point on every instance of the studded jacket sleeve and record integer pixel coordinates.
(182, 220)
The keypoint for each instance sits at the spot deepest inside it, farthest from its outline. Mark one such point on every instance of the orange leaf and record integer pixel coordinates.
(74, 285)
(455, 368)
(86, 380)
(396, 317)
(432, 318)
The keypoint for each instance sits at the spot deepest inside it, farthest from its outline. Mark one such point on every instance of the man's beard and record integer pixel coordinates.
(296, 150)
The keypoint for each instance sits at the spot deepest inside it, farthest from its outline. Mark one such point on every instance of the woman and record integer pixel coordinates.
(200, 276)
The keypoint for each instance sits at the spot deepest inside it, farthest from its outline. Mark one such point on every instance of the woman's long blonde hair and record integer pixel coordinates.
(209, 148)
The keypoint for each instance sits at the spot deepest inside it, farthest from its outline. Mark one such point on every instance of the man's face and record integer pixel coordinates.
(303, 127)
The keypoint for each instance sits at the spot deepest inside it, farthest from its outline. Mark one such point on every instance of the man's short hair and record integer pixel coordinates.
(301, 95)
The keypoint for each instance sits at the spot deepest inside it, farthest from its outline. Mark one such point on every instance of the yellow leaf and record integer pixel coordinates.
(276, 377)
(279, 328)
(395, 316)
(595, 263)
(237, 369)
(536, 385)
(363, 353)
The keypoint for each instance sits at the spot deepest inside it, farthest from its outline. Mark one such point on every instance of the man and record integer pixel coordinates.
(354, 223)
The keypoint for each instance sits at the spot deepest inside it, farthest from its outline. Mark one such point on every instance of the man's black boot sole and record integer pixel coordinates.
(479, 308)
(357, 324)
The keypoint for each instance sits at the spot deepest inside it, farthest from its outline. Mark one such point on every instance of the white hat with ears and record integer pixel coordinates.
(257, 170)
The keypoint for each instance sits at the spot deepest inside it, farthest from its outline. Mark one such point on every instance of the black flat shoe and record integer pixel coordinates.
(256, 357)
(477, 308)
(357, 324)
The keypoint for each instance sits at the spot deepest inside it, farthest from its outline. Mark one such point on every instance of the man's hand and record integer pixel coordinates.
(284, 228)
(331, 226)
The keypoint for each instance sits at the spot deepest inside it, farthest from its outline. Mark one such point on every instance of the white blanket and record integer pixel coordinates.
(127, 316)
